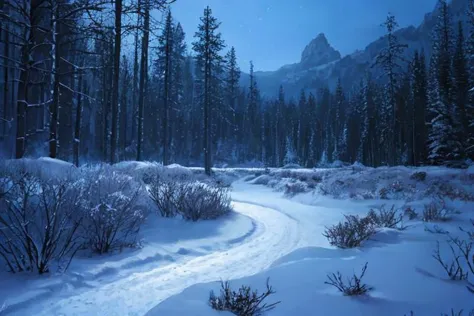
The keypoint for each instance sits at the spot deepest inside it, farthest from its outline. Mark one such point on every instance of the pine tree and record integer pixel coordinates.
(232, 90)
(166, 45)
(470, 57)
(420, 100)
(461, 88)
(337, 123)
(177, 98)
(290, 153)
(444, 144)
(390, 60)
(253, 125)
(143, 76)
(208, 46)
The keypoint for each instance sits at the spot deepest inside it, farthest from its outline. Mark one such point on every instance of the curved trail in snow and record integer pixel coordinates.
(275, 235)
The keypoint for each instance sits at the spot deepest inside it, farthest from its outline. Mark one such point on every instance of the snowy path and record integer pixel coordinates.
(276, 234)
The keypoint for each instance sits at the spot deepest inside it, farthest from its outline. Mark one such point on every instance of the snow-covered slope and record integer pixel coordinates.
(273, 233)
(401, 269)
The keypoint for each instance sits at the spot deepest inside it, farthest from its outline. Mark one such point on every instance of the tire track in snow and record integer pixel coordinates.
(274, 235)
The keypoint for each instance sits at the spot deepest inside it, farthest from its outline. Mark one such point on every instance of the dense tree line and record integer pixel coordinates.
(70, 91)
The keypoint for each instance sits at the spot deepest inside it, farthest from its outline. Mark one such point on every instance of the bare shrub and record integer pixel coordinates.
(383, 193)
(382, 217)
(436, 230)
(164, 194)
(112, 215)
(353, 286)
(418, 176)
(437, 211)
(454, 269)
(410, 213)
(39, 223)
(453, 313)
(449, 190)
(243, 302)
(350, 233)
(462, 258)
(199, 201)
(292, 189)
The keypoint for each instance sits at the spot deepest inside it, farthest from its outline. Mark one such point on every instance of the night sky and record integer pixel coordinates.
(273, 33)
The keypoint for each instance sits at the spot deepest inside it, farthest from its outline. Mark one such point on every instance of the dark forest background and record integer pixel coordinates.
(93, 80)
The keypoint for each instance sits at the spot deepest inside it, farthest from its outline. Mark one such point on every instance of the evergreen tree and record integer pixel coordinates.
(337, 123)
(470, 57)
(444, 144)
(166, 44)
(208, 46)
(179, 126)
(420, 101)
(253, 125)
(390, 60)
(232, 91)
(461, 88)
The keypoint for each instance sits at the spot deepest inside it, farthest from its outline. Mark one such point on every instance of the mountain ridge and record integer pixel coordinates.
(321, 65)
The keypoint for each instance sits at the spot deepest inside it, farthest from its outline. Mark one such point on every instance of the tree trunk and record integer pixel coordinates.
(77, 129)
(143, 75)
(167, 80)
(123, 113)
(5, 81)
(115, 84)
(54, 105)
(207, 79)
(22, 95)
(22, 104)
(135, 79)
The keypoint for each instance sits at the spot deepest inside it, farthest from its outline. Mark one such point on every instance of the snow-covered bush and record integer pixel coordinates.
(39, 223)
(437, 211)
(442, 187)
(354, 285)
(294, 188)
(382, 217)
(244, 302)
(113, 213)
(350, 233)
(164, 193)
(199, 201)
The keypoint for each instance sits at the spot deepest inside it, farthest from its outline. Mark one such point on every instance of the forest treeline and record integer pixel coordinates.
(108, 81)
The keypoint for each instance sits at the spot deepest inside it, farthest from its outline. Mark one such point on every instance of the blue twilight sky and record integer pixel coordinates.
(273, 33)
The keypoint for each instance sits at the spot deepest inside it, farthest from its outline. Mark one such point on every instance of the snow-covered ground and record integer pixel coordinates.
(271, 234)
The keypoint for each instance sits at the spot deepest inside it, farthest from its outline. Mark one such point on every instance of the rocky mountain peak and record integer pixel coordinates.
(319, 52)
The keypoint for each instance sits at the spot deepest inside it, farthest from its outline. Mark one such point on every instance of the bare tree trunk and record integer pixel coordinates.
(135, 79)
(5, 80)
(115, 84)
(143, 75)
(123, 114)
(166, 97)
(22, 96)
(54, 105)
(105, 108)
(77, 130)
